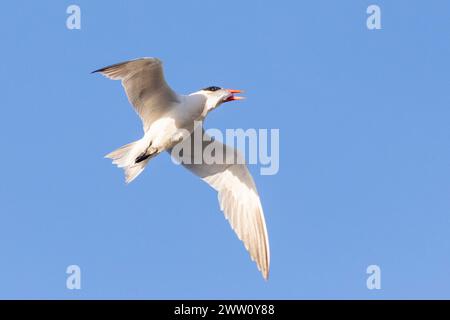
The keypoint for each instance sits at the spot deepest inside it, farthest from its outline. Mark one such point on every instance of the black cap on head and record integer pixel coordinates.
(213, 88)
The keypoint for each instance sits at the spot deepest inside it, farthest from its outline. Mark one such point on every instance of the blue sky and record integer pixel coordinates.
(364, 150)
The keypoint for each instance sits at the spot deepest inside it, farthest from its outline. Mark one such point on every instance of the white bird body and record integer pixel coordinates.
(168, 119)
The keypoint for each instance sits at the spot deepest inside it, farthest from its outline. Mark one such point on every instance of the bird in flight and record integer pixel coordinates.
(167, 117)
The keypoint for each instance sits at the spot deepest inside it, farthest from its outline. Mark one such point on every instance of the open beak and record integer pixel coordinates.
(232, 97)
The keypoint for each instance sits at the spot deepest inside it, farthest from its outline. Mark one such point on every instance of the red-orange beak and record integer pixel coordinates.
(232, 97)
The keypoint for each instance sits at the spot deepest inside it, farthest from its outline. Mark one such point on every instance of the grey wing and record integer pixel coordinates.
(145, 86)
(238, 199)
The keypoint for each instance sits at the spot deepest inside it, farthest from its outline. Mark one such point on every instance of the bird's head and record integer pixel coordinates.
(215, 96)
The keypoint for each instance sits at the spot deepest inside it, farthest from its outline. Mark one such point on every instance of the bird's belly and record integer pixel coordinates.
(166, 132)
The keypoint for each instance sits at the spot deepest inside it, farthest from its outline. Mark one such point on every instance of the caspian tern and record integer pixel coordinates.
(166, 117)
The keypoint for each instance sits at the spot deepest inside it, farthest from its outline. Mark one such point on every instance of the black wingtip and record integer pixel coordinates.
(98, 70)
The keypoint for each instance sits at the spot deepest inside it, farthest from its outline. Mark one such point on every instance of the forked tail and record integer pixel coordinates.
(125, 157)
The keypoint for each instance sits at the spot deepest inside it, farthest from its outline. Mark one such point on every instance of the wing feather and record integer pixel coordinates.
(238, 199)
(145, 86)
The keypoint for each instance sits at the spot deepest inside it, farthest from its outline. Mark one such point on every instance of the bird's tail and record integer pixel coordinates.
(125, 157)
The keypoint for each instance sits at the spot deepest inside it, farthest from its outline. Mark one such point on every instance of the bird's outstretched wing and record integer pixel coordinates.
(238, 197)
(145, 86)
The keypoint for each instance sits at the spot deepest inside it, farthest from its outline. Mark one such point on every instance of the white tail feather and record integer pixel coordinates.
(125, 157)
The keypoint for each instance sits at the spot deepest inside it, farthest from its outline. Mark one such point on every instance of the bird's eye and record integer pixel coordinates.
(212, 88)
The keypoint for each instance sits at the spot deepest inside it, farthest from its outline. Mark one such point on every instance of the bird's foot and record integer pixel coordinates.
(143, 156)
(150, 151)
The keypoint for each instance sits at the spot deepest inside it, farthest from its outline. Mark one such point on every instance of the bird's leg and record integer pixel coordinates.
(143, 156)
(150, 151)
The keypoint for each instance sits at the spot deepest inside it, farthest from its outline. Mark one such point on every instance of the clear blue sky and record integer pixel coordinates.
(364, 155)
